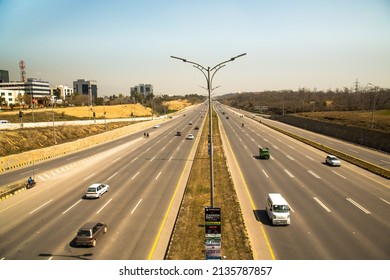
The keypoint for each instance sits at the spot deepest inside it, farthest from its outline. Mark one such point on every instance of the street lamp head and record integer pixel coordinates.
(179, 58)
(233, 58)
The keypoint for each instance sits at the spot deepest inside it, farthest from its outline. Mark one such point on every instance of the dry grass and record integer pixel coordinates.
(176, 105)
(188, 241)
(27, 139)
(354, 118)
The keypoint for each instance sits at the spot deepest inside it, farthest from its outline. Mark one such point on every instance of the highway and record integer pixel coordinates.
(146, 177)
(336, 212)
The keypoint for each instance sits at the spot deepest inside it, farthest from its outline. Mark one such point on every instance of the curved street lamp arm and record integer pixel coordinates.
(233, 58)
(188, 61)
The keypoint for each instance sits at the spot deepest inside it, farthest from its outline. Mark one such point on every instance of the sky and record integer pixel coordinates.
(315, 44)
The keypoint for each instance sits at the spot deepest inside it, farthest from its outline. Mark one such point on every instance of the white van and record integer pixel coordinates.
(277, 209)
(4, 122)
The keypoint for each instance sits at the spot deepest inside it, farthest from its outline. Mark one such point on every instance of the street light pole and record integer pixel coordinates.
(209, 79)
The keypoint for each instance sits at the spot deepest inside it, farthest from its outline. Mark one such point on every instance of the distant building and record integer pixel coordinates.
(4, 76)
(87, 87)
(64, 91)
(37, 89)
(10, 96)
(144, 89)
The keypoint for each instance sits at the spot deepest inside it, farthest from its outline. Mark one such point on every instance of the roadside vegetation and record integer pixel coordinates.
(26, 139)
(354, 107)
(188, 239)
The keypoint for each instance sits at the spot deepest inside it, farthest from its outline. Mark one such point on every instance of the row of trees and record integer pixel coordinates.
(305, 100)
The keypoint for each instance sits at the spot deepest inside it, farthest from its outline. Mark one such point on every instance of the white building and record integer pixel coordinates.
(64, 91)
(10, 96)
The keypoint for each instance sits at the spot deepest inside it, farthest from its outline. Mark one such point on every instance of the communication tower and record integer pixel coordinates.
(22, 67)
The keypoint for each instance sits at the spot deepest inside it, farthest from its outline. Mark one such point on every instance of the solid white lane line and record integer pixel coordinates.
(71, 206)
(315, 175)
(72, 157)
(265, 173)
(385, 161)
(358, 205)
(103, 206)
(112, 176)
(339, 175)
(289, 174)
(136, 206)
(158, 175)
(89, 176)
(36, 209)
(135, 175)
(322, 204)
(384, 200)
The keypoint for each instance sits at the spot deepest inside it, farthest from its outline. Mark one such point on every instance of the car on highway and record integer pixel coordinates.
(89, 233)
(332, 160)
(156, 125)
(178, 133)
(196, 128)
(96, 190)
(190, 137)
(190, 123)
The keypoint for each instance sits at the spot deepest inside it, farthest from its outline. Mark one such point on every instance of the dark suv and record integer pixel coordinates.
(89, 233)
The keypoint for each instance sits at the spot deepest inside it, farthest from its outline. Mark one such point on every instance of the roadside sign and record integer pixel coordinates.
(213, 235)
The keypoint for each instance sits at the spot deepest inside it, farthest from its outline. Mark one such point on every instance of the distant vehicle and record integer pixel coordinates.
(96, 190)
(4, 122)
(89, 233)
(277, 209)
(196, 128)
(190, 123)
(178, 133)
(190, 137)
(332, 160)
(156, 125)
(227, 117)
(264, 153)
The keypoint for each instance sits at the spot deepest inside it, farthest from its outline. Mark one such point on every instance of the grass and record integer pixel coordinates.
(188, 240)
(363, 119)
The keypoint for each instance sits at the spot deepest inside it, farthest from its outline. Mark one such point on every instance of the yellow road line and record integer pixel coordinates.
(169, 207)
(250, 198)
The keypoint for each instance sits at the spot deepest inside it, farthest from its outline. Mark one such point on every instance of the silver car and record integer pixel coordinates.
(96, 190)
(332, 160)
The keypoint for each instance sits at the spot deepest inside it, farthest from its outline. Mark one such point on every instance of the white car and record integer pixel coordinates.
(332, 160)
(96, 190)
(156, 125)
(190, 137)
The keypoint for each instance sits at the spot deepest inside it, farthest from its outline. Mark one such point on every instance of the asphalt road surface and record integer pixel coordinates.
(336, 212)
(146, 177)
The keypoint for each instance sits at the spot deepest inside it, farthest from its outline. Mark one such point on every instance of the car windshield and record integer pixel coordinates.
(91, 189)
(84, 233)
(280, 208)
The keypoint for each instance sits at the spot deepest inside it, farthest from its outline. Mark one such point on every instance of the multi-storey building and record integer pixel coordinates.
(36, 89)
(144, 89)
(87, 87)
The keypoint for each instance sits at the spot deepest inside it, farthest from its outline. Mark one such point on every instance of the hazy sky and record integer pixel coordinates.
(289, 44)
